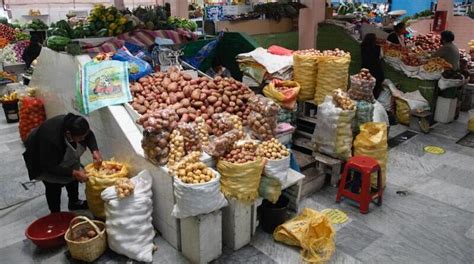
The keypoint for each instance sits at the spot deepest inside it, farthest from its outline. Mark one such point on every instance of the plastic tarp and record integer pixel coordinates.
(273, 63)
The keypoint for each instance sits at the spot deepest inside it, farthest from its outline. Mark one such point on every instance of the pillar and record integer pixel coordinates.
(308, 22)
(446, 5)
(179, 8)
(119, 4)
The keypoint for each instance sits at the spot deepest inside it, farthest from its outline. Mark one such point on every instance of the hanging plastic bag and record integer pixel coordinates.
(333, 73)
(240, 180)
(284, 93)
(32, 115)
(372, 142)
(137, 67)
(270, 189)
(305, 71)
(402, 111)
(312, 231)
(98, 182)
(129, 223)
(196, 199)
(333, 132)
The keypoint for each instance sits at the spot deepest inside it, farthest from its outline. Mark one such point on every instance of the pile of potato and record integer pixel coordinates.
(334, 53)
(308, 52)
(242, 154)
(191, 170)
(343, 100)
(124, 188)
(159, 120)
(85, 236)
(176, 148)
(362, 86)
(272, 149)
(220, 145)
(190, 98)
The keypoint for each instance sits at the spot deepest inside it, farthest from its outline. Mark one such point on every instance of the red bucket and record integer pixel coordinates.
(48, 231)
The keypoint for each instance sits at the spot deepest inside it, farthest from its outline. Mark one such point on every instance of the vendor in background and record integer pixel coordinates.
(32, 51)
(52, 155)
(448, 51)
(372, 60)
(217, 69)
(398, 35)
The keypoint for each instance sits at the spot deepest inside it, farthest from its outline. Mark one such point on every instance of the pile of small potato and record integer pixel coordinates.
(189, 131)
(242, 154)
(190, 98)
(224, 122)
(334, 53)
(192, 171)
(124, 188)
(176, 148)
(272, 149)
(343, 100)
(308, 52)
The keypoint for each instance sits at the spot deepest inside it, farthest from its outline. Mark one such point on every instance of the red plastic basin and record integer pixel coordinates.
(48, 231)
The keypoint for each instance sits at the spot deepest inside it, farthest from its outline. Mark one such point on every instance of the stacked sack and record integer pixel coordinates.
(362, 86)
(333, 132)
(305, 70)
(333, 73)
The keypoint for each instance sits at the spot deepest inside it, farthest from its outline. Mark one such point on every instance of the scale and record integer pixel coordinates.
(166, 54)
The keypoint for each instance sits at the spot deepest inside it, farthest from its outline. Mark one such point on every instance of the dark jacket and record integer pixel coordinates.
(393, 38)
(45, 148)
(372, 61)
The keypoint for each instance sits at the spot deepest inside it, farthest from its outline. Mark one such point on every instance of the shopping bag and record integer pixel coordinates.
(305, 70)
(333, 73)
(129, 223)
(372, 142)
(103, 84)
(137, 67)
(240, 180)
(310, 230)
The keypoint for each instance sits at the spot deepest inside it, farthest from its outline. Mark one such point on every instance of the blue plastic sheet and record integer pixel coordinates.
(137, 67)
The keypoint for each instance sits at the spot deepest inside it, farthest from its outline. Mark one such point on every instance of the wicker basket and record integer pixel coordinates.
(88, 250)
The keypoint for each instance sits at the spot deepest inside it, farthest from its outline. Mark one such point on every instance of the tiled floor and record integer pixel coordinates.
(433, 223)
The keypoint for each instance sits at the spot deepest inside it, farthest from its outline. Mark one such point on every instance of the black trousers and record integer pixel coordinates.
(53, 194)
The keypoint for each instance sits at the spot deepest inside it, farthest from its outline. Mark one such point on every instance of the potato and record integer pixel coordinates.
(196, 94)
(212, 99)
(185, 102)
(187, 90)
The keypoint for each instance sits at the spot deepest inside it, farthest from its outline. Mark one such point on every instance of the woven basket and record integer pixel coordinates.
(88, 250)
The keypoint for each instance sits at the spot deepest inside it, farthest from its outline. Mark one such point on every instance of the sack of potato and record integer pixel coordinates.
(100, 179)
(283, 92)
(333, 73)
(197, 188)
(218, 146)
(362, 86)
(240, 171)
(277, 159)
(305, 71)
(333, 132)
(129, 223)
(263, 117)
(158, 126)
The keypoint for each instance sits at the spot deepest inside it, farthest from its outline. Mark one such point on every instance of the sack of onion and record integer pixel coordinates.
(129, 228)
(197, 188)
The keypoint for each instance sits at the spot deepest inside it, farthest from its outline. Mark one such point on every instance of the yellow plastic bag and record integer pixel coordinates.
(98, 182)
(333, 73)
(402, 111)
(372, 142)
(470, 123)
(305, 71)
(286, 99)
(240, 180)
(270, 189)
(310, 230)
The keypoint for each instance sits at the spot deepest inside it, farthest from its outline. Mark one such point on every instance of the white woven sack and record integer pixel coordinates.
(197, 199)
(444, 83)
(278, 169)
(129, 228)
(325, 133)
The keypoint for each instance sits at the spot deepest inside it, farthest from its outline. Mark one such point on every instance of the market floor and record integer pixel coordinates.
(432, 223)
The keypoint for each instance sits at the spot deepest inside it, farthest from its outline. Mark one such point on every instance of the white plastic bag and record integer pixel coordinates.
(197, 199)
(444, 83)
(380, 115)
(385, 98)
(129, 228)
(277, 169)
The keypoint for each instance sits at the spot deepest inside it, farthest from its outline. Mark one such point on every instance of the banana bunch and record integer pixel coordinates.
(9, 97)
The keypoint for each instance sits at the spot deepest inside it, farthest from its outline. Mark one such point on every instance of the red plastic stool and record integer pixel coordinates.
(366, 166)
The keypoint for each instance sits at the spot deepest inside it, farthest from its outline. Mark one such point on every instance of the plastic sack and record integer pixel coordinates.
(470, 123)
(263, 105)
(362, 89)
(333, 73)
(151, 146)
(97, 183)
(240, 181)
(372, 142)
(196, 199)
(137, 67)
(277, 50)
(224, 122)
(310, 230)
(129, 223)
(270, 189)
(333, 132)
(402, 111)
(32, 115)
(285, 98)
(277, 169)
(364, 114)
(218, 146)
(444, 83)
(305, 71)
(385, 98)
(192, 141)
(380, 115)
(263, 117)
